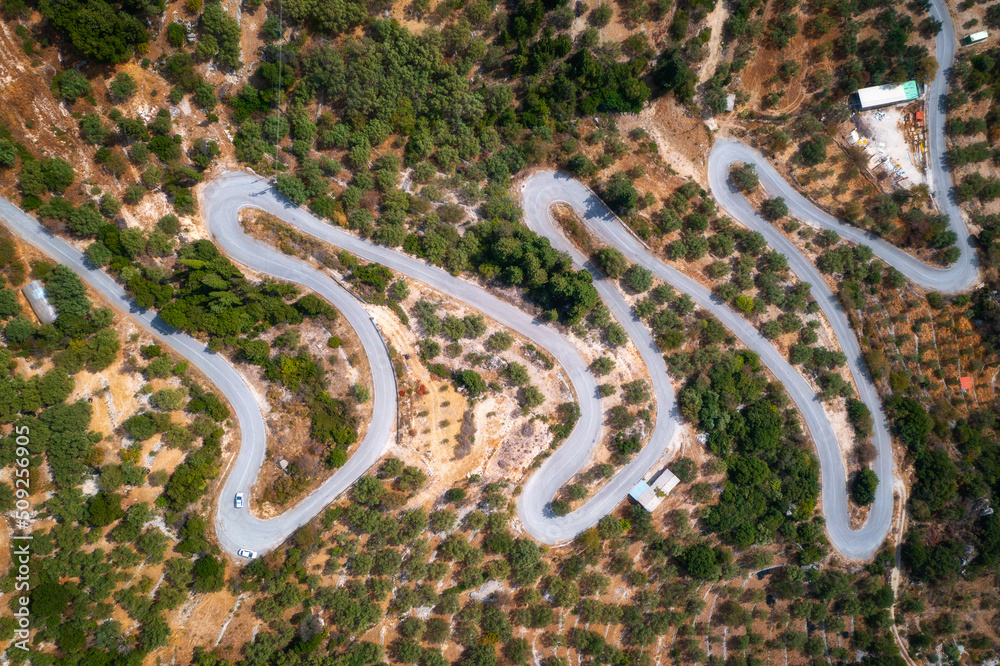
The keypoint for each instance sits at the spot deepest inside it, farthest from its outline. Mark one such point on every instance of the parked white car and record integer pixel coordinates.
(239, 500)
(249, 554)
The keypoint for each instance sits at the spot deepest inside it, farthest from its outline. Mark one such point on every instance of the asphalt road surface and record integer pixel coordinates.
(543, 189)
(231, 192)
(240, 529)
(961, 276)
(228, 194)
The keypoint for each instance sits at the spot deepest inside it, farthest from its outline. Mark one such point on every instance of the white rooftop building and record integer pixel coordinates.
(651, 495)
(887, 95)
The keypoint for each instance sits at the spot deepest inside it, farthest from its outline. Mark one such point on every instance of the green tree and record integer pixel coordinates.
(863, 487)
(93, 130)
(931, 562)
(8, 304)
(700, 562)
(54, 387)
(123, 87)
(774, 209)
(620, 194)
(291, 188)
(518, 651)
(110, 206)
(225, 30)
(517, 374)
(910, 421)
(813, 152)
(531, 396)
(368, 491)
(254, 351)
(102, 31)
(937, 479)
(71, 85)
(360, 392)
(55, 174)
(204, 96)
(18, 330)
(169, 224)
(500, 341)
(603, 365)
(66, 292)
(636, 392)
(472, 381)
(168, 398)
(140, 427)
(615, 335)
(860, 417)
(744, 176)
(133, 242)
(399, 290)
(85, 220)
(104, 509)
(209, 574)
(612, 262)
(685, 469)
(673, 74)
(453, 327)
(639, 279)
(8, 153)
(601, 15)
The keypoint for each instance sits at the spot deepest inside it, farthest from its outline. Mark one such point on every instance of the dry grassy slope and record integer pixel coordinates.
(29, 109)
(48, 126)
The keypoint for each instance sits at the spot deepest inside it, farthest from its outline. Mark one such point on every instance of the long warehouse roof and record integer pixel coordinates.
(888, 94)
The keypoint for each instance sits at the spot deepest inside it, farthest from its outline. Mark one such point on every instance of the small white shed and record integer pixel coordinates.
(651, 495)
(44, 310)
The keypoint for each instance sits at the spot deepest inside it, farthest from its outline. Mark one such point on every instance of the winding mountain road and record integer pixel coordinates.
(239, 529)
(543, 189)
(228, 194)
(961, 276)
(231, 192)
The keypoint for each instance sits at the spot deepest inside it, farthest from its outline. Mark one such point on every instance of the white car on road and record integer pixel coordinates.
(239, 500)
(247, 553)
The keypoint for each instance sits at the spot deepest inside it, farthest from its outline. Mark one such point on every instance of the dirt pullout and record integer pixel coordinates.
(683, 140)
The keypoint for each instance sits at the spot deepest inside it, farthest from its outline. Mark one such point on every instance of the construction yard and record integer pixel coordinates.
(894, 138)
